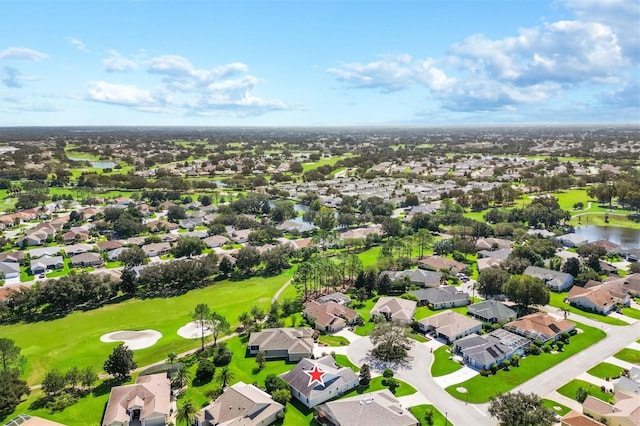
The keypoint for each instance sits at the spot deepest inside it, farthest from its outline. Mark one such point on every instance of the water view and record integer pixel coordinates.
(626, 237)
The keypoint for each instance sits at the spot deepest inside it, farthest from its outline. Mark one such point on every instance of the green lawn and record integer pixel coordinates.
(569, 390)
(552, 406)
(480, 389)
(631, 313)
(604, 370)
(370, 257)
(557, 300)
(442, 365)
(629, 355)
(344, 361)
(75, 339)
(376, 384)
(424, 312)
(438, 419)
(330, 340)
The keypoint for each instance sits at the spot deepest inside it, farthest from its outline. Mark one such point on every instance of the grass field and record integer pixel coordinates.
(442, 365)
(631, 312)
(480, 389)
(330, 340)
(376, 384)
(438, 419)
(604, 370)
(344, 361)
(569, 390)
(629, 355)
(552, 406)
(75, 339)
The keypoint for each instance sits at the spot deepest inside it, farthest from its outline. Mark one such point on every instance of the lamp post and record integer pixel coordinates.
(446, 419)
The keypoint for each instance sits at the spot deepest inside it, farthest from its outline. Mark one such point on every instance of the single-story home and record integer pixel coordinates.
(45, 263)
(571, 240)
(336, 297)
(215, 241)
(336, 381)
(291, 344)
(147, 402)
(241, 404)
(83, 260)
(419, 277)
(372, 408)
(540, 326)
(330, 316)
(446, 296)
(501, 254)
(110, 245)
(555, 280)
(574, 418)
(394, 309)
(624, 411)
(156, 249)
(598, 297)
(482, 351)
(491, 311)
(493, 244)
(450, 325)
(10, 269)
(74, 249)
(438, 263)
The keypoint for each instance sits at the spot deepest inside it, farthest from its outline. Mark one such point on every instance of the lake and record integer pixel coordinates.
(96, 164)
(626, 237)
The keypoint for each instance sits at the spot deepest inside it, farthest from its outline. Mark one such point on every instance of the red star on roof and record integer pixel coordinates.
(315, 375)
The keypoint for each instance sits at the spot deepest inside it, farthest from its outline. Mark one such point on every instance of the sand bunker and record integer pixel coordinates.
(133, 339)
(192, 330)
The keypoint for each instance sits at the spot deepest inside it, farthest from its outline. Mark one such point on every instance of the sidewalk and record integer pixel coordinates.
(620, 363)
(571, 403)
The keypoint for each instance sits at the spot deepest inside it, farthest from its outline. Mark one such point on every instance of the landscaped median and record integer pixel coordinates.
(480, 389)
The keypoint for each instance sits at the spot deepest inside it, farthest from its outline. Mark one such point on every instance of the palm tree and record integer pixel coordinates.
(181, 378)
(225, 376)
(171, 357)
(186, 413)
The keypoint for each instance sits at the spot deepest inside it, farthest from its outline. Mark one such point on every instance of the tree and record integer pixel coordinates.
(181, 378)
(120, 363)
(172, 357)
(526, 291)
(188, 246)
(201, 315)
(520, 409)
(54, 382)
(325, 219)
(491, 281)
(261, 360)
(572, 266)
(281, 396)
(581, 394)
(133, 256)
(10, 356)
(175, 213)
(283, 210)
(248, 257)
(88, 377)
(187, 412)
(365, 375)
(225, 376)
(390, 341)
(72, 377)
(12, 388)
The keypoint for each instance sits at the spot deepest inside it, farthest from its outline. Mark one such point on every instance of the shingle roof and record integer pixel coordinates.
(151, 392)
(334, 377)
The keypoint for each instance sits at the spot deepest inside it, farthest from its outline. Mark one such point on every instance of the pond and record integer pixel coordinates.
(628, 238)
(96, 164)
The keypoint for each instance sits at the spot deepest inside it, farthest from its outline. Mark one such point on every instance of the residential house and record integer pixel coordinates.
(336, 381)
(442, 297)
(156, 249)
(482, 351)
(372, 408)
(540, 326)
(609, 246)
(438, 263)
(190, 223)
(9, 270)
(242, 405)
(501, 254)
(201, 235)
(172, 238)
(74, 249)
(34, 238)
(240, 236)
(572, 240)
(337, 297)
(147, 402)
(295, 226)
(394, 309)
(27, 420)
(361, 232)
(450, 325)
(43, 251)
(114, 254)
(291, 344)
(493, 244)
(491, 311)
(555, 280)
(419, 277)
(110, 245)
(12, 257)
(625, 411)
(488, 262)
(136, 241)
(599, 297)
(629, 384)
(77, 234)
(330, 316)
(45, 263)
(84, 260)
(215, 241)
(574, 418)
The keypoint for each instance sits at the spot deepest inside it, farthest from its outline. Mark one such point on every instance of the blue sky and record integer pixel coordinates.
(306, 63)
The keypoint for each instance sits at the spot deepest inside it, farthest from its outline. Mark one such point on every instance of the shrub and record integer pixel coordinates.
(206, 370)
(485, 373)
(392, 384)
(222, 356)
(535, 350)
(546, 349)
(387, 373)
(582, 394)
(538, 343)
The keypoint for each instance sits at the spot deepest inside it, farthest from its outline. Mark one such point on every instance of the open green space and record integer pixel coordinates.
(629, 355)
(442, 364)
(75, 339)
(557, 300)
(605, 370)
(344, 361)
(376, 384)
(437, 417)
(480, 388)
(330, 340)
(323, 161)
(556, 407)
(569, 390)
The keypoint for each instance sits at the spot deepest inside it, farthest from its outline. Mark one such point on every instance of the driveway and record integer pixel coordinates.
(462, 375)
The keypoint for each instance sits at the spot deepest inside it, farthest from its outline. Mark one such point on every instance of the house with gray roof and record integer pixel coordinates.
(419, 277)
(571, 240)
(45, 263)
(394, 309)
(450, 325)
(501, 254)
(240, 404)
(481, 352)
(442, 297)
(10, 269)
(74, 249)
(368, 409)
(288, 343)
(555, 280)
(83, 260)
(215, 241)
(491, 311)
(336, 381)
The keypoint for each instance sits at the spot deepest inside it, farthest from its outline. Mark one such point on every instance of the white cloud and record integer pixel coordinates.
(127, 95)
(21, 54)
(118, 63)
(14, 78)
(77, 44)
